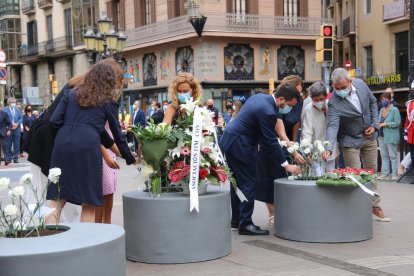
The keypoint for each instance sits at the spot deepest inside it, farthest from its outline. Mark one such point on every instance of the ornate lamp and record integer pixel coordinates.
(90, 39)
(122, 37)
(104, 24)
(196, 19)
(111, 38)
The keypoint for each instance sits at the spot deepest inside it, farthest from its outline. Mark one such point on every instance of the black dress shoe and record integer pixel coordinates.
(6, 162)
(253, 230)
(234, 225)
(16, 161)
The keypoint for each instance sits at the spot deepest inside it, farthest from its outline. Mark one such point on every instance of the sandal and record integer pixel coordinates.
(271, 219)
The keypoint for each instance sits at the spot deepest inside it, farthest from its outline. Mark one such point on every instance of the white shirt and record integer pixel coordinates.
(354, 99)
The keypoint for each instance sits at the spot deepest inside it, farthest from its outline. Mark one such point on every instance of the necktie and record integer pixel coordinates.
(13, 113)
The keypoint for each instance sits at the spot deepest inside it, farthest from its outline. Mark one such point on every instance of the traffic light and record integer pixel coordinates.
(324, 44)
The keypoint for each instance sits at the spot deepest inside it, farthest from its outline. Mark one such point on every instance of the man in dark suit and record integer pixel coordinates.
(255, 121)
(158, 115)
(138, 120)
(5, 126)
(13, 141)
(213, 109)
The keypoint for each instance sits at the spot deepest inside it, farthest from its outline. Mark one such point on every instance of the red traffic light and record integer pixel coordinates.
(327, 30)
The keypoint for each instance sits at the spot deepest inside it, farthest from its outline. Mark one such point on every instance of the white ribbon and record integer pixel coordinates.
(365, 189)
(195, 159)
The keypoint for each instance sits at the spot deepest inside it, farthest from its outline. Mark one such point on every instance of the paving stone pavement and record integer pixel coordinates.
(390, 252)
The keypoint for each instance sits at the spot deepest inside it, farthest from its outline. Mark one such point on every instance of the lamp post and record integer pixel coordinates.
(195, 17)
(106, 43)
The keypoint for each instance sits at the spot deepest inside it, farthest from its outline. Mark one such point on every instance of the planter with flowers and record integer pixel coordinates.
(30, 247)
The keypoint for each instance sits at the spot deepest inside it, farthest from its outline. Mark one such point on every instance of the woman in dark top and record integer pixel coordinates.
(28, 120)
(79, 119)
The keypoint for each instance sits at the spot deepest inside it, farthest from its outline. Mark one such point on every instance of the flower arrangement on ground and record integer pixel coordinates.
(212, 168)
(155, 140)
(343, 177)
(21, 218)
(312, 153)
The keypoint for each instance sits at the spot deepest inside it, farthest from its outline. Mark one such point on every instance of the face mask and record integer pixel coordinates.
(385, 103)
(210, 106)
(165, 107)
(234, 107)
(182, 97)
(29, 110)
(285, 110)
(319, 105)
(343, 93)
(13, 105)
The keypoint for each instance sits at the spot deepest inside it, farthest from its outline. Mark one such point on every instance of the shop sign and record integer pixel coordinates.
(383, 79)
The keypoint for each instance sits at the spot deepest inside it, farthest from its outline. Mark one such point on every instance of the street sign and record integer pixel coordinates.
(3, 73)
(2, 56)
(3, 82)
(348, 65)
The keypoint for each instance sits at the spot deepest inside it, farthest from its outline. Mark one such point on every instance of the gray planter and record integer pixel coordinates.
(85, 249)
(306, 212)
(162, 230)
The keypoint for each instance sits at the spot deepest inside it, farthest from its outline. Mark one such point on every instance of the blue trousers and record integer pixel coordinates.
(241, 212)
(12, 142)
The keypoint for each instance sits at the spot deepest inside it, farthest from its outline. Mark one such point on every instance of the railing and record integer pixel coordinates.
(43, 4)
(349, 26)
(12, 54)
(9, 9)
(59, 44)
(231, 23)
(396, 10)
(28, 6)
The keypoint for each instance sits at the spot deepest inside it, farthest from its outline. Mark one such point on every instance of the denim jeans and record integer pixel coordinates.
(389, 156)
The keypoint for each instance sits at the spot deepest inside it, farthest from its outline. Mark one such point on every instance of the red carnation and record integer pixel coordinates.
(203, 173)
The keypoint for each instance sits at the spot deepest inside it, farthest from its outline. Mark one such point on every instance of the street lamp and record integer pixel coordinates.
(195, 17)
(106, 43)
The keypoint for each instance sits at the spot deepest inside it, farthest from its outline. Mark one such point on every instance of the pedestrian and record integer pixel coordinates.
(28, 120)
(389, 138)
(184, 87)
(151, 110)
(5, 131)
(236, 107)
(12, 142)
(158, 115)
(353, 122)
(409, 127)
(393, 102)
(138, 120)
(255, 121)
(79, 119)
(214, 111)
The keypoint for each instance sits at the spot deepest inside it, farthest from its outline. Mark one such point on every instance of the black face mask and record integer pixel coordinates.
(29, 110)
(210, 106)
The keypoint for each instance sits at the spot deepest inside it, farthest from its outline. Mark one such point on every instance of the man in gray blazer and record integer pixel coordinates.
(353, 123)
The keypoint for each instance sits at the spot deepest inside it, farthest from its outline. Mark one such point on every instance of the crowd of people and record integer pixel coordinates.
(349, 117)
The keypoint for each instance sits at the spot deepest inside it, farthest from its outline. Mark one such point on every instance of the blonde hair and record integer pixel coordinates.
(238, 105)
(292, 80)
(180, 79)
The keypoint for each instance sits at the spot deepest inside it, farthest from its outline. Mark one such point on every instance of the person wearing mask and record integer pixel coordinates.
(164, 105)
(158, 115)
(393, 102)
(138, 120)
(13, 140)
(28, 120)
(353, 122)
(213, 110)
(255, 122)
(228, 114)
(184, 87)
(236, 107)
(388, 138)
(151, 110)
(5, 126)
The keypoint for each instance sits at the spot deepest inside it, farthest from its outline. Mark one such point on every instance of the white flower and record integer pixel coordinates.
(321, 149)
(17, 191)
(295, 146)
(317, 143)
(304, 143)
(189, 106)
(10, 210)
(26, 179)
(326, 143)
(291, 149)
(146, 171)
(18, 226)
(4, 183)
(307, 151)
(54, 175)
(283, 143)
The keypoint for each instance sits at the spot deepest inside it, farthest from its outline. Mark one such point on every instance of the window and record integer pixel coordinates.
(368, 61)
(49, 26)
(34, 75)
(176, 8)
(291, 8)
(11, 42)
(367, 6)
(84, 14)
(147, 12)
(239, 6)
(68, 22)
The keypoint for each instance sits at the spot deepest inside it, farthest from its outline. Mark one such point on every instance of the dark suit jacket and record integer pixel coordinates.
(139, 119)
(5, 123)
(255, 121)
(158, 116)
(18, 117)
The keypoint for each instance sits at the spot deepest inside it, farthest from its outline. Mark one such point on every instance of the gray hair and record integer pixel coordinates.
(339, 74)
(137, 102)
(9, 100)
(317, 89)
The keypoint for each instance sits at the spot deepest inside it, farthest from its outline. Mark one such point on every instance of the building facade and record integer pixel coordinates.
(244, 44)
(373, 36)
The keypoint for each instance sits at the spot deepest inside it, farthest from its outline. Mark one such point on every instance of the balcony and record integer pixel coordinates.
(45, 4)
(349, 26)
(339, 33)
(227, 24)
(62, 1)
(9, 9)
(58, 47)
(28, 7)
(396, 12)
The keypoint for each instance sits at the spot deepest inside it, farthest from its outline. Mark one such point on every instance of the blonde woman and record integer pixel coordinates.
(182, 88)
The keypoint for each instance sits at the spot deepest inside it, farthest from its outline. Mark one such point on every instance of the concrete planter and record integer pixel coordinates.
(85, 249)
(162, 230)
(306, 212)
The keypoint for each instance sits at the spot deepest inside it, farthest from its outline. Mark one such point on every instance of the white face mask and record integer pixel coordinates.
(319, 105)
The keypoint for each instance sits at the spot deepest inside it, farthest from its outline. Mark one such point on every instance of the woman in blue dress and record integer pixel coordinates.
(80, 119)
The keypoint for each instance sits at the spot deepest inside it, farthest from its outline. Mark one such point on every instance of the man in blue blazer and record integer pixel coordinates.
(13, 140)
(138, 119)
(255, 121)
(5, 126)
